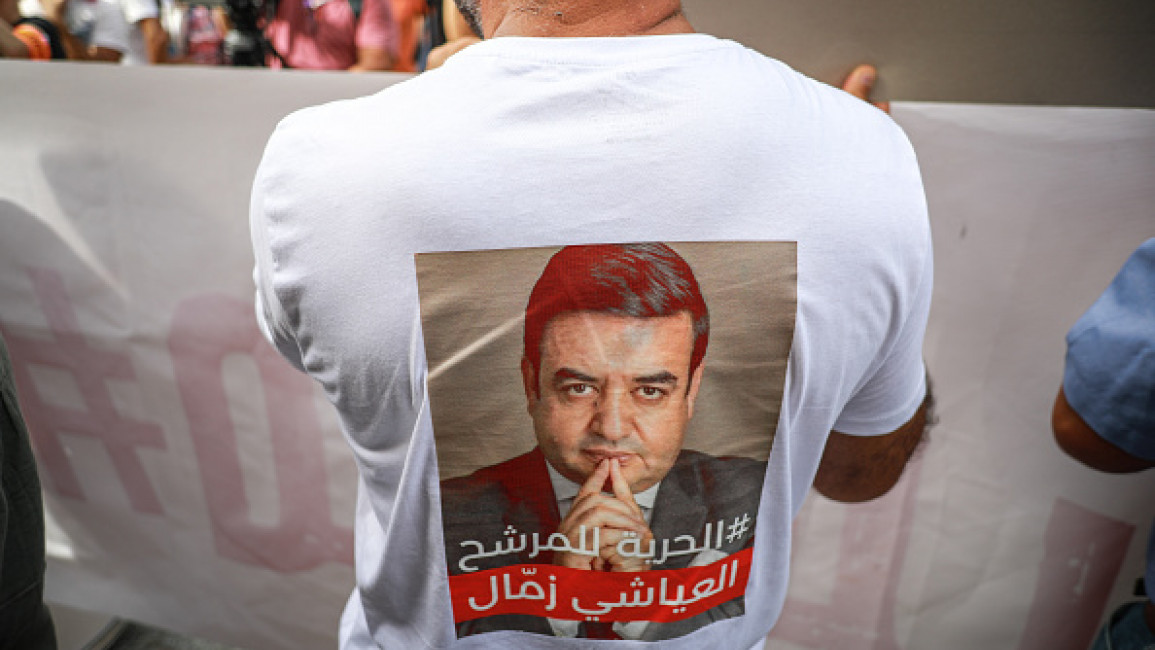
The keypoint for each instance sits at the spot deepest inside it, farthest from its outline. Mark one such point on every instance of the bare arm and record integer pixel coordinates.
(854, 469)
(454, 23)
(57, 12)
(440, 54)
(78, 51)
(10, 46)
(155, 39)
(1081, 442)
(371, 58)
(860, 468)
(375, 37)
(106, 54)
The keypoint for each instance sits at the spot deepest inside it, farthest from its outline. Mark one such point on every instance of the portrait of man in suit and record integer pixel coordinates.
(614, 346)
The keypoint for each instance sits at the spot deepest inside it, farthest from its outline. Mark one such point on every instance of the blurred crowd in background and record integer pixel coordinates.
(355, 35)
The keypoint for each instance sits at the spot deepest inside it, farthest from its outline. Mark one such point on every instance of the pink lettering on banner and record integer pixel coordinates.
(69, 351)
(1083, 553)
(872, 550)
(599, 596)
(206, 330)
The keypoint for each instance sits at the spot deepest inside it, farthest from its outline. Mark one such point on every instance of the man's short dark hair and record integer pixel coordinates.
(639, 280)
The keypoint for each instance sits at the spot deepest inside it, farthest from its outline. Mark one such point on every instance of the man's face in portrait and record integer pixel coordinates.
(613, 386)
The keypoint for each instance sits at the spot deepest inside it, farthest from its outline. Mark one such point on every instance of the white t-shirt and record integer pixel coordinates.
(525, 142)
(100, 23)
(134, 12)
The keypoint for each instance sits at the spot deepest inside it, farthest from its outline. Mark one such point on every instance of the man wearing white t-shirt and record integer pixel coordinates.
(613, 356)
(586, 122)
(128, 31)
(147, 40)
(101, 27)
(90, 30)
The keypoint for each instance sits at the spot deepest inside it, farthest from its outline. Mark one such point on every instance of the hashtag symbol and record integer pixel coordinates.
(90, 367)
(738, 528)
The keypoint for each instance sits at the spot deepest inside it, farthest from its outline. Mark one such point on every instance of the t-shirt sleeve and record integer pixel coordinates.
(892, 385)
(109, 29)
(376, 27)
(137, 10)
(892, 393)
(1109, 377)
(272, 315)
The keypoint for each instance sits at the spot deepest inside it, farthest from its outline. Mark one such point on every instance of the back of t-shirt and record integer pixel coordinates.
(399, 237)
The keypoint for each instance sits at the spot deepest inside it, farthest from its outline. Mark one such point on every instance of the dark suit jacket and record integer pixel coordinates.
(699, 489)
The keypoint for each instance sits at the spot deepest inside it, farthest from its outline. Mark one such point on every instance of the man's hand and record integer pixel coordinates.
(614, 516)
(861, 81)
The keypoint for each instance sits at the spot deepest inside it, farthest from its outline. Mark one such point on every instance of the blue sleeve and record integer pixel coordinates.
(1110, 371)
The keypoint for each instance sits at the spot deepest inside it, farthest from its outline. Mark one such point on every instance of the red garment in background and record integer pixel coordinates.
(409, 16)
(325, 34)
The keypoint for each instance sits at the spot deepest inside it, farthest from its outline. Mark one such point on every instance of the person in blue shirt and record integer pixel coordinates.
(1104, 414)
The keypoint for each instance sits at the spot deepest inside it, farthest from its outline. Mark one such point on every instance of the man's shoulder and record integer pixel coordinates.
(702, 489)
(734, 474)
(1110, 363)
(704, 461)
(343, 136)
(384, 116)
(481, 504)
(501, 471)
(494, 480)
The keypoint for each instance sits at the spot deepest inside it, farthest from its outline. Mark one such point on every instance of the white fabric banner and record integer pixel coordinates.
(193, 480)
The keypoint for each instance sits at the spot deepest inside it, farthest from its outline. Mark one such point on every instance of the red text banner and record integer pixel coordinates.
(577, 595)
(196, 482)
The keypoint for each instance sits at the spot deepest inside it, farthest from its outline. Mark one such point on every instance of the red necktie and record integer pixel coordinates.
(599, 630)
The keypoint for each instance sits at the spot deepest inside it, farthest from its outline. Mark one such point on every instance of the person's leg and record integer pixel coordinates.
(1126, 629)
(25, 623)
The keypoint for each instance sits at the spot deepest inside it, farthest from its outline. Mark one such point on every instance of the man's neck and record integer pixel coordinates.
(576, 18)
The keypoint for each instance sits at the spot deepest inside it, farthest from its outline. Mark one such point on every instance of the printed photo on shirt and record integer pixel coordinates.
(603, 415)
